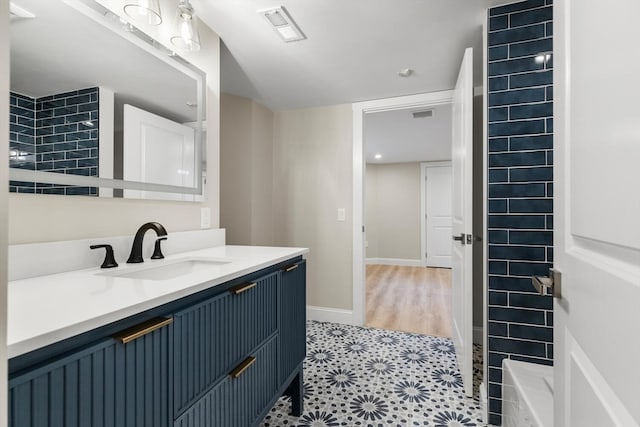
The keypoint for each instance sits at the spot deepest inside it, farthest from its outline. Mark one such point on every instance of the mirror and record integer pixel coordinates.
(99, 108)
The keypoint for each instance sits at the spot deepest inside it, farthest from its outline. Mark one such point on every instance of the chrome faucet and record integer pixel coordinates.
(136, 249)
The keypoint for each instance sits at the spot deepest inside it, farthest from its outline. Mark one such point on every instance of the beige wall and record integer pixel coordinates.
(246, 172)
(38, 218)
(312, 168)
(392, 194)
(4, 177)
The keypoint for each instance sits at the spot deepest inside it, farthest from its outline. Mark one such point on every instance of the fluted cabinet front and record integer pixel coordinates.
(237, 401)
(110, 384)
(214, 336)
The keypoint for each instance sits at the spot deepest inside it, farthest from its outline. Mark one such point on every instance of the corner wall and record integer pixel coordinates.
(312, 168)
(246, 173)
(4, 177)
(520, 188)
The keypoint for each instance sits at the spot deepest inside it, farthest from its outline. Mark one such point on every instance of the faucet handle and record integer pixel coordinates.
(157, 251)
(109, 259)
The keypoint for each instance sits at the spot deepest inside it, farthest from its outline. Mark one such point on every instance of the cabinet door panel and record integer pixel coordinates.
(145, 373)
(215, 335)
(78, 390)
(292, 322)
(106, 385)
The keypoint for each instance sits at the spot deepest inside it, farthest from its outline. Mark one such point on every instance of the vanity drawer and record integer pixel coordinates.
(238, 400)
(108, 384)
(214, 336)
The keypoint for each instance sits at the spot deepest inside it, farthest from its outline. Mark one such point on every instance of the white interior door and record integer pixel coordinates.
(438, 215)
(597, 214)
(462, 253)
(159, 151)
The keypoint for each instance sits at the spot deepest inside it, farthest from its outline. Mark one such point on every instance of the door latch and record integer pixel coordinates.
(549, 285)
(465, 239)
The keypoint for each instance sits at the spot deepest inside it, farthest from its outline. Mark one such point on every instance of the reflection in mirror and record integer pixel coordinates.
(98, 108)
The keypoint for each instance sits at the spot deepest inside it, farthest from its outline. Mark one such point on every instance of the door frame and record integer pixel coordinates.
(359, 109)
(423, 204)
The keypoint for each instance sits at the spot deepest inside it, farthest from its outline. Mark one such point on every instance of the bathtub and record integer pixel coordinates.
(527, 394)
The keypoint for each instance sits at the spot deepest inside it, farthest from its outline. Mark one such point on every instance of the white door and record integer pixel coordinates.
(159, 151)
(438, 216)
(462, 254)
(597, 213)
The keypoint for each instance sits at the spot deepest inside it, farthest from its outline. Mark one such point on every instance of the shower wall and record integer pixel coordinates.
(520, 188)
(56, 133)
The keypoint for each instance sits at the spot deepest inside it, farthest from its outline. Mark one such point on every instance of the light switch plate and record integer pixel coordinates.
(205, 218)
(342, 215)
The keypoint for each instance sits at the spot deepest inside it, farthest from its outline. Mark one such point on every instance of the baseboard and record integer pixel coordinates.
(327, 314)
(396, 261)
(478, 335)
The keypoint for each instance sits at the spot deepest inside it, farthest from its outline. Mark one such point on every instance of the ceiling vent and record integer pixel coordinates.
(17, 13)
(422, 114)
(283, 24)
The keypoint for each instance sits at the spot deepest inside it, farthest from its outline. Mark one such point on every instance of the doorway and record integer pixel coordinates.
(407, 174)
(360, 111)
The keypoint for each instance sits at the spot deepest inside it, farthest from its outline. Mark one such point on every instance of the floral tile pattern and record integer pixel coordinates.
(358, 376)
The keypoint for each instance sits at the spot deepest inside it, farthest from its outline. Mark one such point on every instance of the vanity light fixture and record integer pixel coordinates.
(283, 24)
(120, 21)
(185, 29)
(144, 10)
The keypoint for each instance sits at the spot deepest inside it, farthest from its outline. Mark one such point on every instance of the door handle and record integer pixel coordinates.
(142, 329)
(465, 239)
(549, 284)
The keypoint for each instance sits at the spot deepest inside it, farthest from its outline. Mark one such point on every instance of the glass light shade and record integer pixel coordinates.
(185, 29)
(147, 11)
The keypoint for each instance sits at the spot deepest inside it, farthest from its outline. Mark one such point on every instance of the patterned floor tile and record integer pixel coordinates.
(358, 376)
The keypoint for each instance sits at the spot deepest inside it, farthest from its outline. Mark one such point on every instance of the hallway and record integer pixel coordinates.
(409, 299)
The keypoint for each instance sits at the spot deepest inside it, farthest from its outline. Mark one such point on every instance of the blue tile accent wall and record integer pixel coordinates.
(520, 205)
(56, 133)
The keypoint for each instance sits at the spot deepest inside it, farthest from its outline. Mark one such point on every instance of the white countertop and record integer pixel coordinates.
(46, 309)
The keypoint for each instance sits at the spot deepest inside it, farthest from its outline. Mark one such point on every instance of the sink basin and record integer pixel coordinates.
(169, 270)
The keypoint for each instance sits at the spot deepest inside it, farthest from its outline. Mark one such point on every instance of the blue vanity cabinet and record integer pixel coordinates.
(218, 358)
(292, 328)
(108, 384)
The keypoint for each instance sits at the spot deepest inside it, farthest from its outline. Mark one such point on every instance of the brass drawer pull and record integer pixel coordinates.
(241, 368)
(290, 268)
(243, 288)
(142, 329)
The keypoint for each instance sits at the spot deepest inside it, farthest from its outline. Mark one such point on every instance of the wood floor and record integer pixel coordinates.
(409, 299)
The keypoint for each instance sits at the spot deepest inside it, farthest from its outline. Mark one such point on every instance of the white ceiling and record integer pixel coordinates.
(400, 138)
(353, 51)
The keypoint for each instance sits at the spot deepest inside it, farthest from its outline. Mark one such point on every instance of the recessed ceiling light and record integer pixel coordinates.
(405, 73)
(283, 24)
(378, 156)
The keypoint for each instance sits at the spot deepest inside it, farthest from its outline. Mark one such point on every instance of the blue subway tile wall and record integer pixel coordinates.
(520, 187)
(56, 133)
